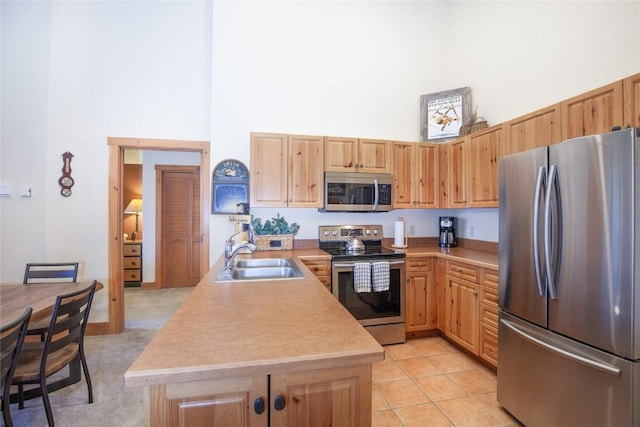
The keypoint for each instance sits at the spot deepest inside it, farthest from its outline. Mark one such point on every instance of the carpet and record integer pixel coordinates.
(108, 358)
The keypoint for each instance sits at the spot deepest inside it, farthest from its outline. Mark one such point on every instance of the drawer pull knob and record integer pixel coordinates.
(279, 402)
(258, 405)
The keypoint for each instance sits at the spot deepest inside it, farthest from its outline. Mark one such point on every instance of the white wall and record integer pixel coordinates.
(74, 73)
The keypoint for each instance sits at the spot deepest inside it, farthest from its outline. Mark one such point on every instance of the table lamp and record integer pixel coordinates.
(134, 207)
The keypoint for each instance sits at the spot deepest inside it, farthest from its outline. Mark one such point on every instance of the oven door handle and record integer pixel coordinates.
(352, 264)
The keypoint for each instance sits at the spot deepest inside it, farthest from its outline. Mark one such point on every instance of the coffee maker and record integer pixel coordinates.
(448, 231)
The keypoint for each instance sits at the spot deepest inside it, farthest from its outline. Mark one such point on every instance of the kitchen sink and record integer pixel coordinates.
(264, 262)
(261, 269)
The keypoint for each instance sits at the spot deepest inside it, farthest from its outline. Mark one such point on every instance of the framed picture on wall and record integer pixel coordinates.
(230, 187)
(443, 113)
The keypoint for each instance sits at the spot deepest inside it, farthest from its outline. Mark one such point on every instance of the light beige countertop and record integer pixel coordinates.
(470, 256)
(226, 330)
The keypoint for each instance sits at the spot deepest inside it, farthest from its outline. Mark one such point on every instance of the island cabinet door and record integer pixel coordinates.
(240, 402)
(332, 397)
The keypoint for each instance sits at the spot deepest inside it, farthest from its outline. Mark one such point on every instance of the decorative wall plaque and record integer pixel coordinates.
(230, 186)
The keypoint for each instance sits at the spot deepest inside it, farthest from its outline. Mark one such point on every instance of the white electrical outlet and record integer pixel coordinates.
(412, 230)
(472, 231)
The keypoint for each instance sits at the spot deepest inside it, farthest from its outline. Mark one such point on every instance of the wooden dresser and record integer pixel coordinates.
(132, 263)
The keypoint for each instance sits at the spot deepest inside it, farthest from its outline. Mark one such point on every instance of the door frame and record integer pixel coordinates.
(117, 146)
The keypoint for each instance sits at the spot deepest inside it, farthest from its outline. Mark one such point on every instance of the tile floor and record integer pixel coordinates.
(429, 382)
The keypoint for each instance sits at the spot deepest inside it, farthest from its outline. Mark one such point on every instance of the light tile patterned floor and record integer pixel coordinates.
(428, 382)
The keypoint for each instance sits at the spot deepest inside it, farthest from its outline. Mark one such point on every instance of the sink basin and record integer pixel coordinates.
(265, 273)
(263, 262)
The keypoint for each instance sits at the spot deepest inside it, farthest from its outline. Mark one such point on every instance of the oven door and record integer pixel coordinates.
(370, 308)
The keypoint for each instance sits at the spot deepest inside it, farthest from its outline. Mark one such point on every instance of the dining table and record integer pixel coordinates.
(41, 297)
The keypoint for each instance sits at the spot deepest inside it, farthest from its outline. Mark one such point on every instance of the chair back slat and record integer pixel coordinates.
(51, 272)
(69, 319)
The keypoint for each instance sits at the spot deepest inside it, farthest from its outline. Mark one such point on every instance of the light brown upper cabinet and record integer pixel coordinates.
(482, 167)
(631, 89)
(286, 170)
(533, 130)
(593, 112)
(415, 175)
(357, 155)
(456, 166)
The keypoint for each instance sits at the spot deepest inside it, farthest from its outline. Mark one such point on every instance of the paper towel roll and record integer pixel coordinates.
(398, 233)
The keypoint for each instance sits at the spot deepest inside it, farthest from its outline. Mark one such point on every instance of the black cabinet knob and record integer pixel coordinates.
(279, 402)
(258, 405)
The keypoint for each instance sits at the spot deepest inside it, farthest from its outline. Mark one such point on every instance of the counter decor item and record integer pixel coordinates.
(443, 113)
(274, 235)
(474, 124)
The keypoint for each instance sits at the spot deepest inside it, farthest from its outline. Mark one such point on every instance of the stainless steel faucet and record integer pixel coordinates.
(230, 253)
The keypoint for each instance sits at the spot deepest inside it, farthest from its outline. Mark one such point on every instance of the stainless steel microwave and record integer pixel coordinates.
(357, 192)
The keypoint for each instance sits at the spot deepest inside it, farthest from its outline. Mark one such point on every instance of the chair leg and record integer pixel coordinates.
(45, 401)
(87, 377)
(6, 410)
(20, 396)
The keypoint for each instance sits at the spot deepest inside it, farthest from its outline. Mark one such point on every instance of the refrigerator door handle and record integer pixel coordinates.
(540, 184)
(583, 360)
(551, 187)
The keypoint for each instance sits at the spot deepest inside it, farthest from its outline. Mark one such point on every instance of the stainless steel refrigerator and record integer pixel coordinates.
(569, 329)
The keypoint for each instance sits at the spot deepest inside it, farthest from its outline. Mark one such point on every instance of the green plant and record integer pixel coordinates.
(276, 225)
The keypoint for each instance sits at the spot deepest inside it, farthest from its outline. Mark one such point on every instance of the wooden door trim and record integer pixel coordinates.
(117, 146)
(160, 170)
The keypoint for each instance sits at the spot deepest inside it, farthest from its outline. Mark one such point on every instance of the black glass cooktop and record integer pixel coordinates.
(371, 251)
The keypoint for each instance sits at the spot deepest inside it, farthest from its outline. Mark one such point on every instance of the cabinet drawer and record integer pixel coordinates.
(489, 296)
(132, 250)
(464, 271)
(131, 275)
(419, 264)
(489, 278)
(318, 267)
(489, 344)
(132, 262)
(489, 315)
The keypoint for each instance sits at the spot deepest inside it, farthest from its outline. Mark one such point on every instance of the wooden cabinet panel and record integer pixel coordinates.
(457, 173)
(489, 344)
(462, 313)
(462, 270)
(357, 155)
(533, 130)
(631, 94)
(320, 268)
(306, 173)
(421, 297)
(287, 170)
(337, 397)
(593, 112)
(482, 181)
(415, 175)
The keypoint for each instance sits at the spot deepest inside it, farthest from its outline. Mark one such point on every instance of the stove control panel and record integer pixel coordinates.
(339, 233)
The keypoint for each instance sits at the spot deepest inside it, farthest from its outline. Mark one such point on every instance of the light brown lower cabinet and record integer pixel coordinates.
(336, 397)
(471, 309)
(421, 300)
(321, 268)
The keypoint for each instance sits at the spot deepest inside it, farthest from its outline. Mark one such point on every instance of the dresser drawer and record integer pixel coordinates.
(419, 264)
(463, 271)
(132, 262)
(131, 275)
(132, 249)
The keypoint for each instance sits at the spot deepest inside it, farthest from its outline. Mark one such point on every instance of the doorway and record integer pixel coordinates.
(116, 162)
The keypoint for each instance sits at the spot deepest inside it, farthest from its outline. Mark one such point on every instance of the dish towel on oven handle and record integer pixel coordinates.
(380, 276)
(361, 277)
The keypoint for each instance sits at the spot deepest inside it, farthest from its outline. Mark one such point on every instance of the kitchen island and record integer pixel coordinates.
(258, 353)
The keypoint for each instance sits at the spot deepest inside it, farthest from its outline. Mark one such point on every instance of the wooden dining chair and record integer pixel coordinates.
(11, 338)
(64, 342)
(47, 273)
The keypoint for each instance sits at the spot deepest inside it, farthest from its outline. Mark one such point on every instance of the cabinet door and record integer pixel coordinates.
(631, 88)
(457, 154)
(462, 313)
(341, 154)
(336, 397)
(594, 112)
(306, 174)
(374, 156)
(531, 131)
(421, 295)
(482, 168)
(426, 177)
(403, 175)
(213, 403)
(268, 186)
(443, 179)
